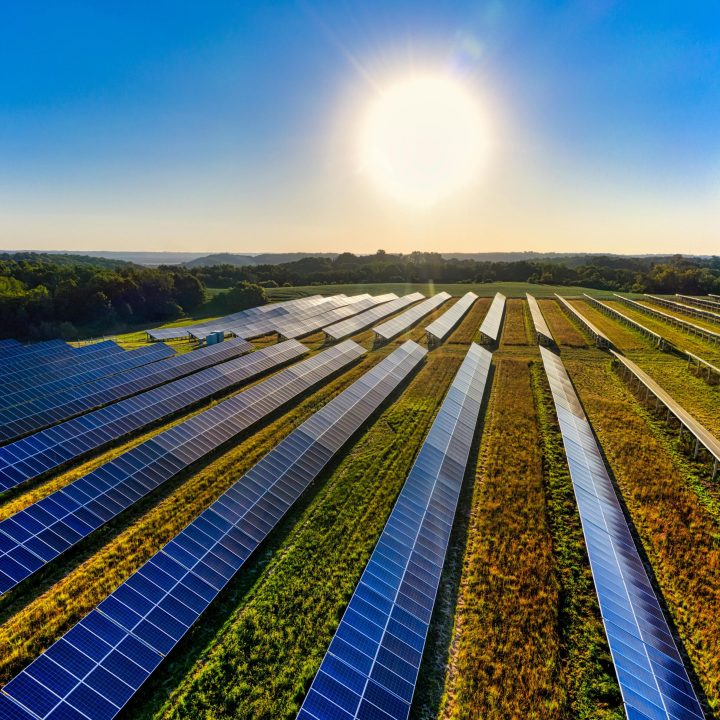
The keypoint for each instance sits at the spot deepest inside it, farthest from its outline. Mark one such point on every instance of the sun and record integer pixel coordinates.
(423, 139)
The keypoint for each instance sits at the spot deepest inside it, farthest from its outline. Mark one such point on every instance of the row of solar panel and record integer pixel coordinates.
(653, 680)
(685, 325)
(600, 338)
(201, 330)
(45, 358)
(49, 382)
(440, 328)
(32, 537)
(33, 351)
(492, 322)
(706, 301)
(353, 325)
(542, 331)
(56, 369)
(37, 454)
(43, 412)
(371, 667)
(658, 339)
(97, 666)
(399, 324)
(705, 313)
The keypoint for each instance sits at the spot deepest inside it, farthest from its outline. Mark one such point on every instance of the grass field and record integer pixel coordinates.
(516, 630)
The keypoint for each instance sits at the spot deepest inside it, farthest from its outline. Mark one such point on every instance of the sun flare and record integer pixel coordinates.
(423, 139)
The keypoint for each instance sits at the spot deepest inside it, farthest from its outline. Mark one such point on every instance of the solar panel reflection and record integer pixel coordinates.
(440, 328)
(35, 536)
(392, 328)
(653, 680)
(98, 665)
(371, 667)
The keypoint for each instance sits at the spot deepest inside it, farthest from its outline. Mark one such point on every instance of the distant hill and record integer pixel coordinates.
(264, 259)
(63, 258)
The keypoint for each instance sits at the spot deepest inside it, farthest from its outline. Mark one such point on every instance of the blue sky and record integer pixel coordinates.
(232, 126)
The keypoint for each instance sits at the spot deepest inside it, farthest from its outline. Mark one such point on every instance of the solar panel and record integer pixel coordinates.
(16, 349)
(371, 667)
(542, 331)
(81, 357)
(300, 328)
(685, 325)
(31, 538)
(353, 325)
(52, 381)
(49, 449)
(706, 313)
(241, 317)
(701, 434)
(98, 665)
(440, 328)
(397, 325)
(704, 301)
(600, 338)
(653, 680)
(657, 339)
(34, 356)
(492, 322)
(42, 412)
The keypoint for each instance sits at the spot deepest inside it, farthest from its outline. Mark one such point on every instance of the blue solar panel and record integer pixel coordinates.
(653, 680)
(393, 327)
(41, 532)
(48, 449)
(36, 414)
(48, 382)
(371, 666)
(33, 355)
(103, 660)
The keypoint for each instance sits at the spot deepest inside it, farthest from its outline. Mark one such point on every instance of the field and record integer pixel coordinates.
(516, 629)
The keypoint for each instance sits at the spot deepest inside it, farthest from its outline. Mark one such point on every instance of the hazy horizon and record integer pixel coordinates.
(185, 128)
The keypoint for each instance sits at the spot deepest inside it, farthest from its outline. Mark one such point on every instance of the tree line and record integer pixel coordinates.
(71, 296)
(620, 273)
(45, 296)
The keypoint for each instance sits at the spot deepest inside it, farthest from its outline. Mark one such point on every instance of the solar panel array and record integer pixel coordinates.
(600, 338)
(702, 365)
(371, 666)
(657, 339)
(701, 434)
(652, 677)
(299, 328)
(353, 325)
(48, 355)
(29, 355)
(47, 450)
(250, 315)
(392, 328)
(41, 532)
(51, 381)
(97, 666)
(685, 325)
(492, 322)
(42, 412)
(705, 301)
(542, 331)
(440, 328)
(693, 311)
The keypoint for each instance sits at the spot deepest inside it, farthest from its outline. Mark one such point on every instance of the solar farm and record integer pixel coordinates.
(371, 506)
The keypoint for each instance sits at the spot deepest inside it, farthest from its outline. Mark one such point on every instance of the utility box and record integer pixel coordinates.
(214, 338)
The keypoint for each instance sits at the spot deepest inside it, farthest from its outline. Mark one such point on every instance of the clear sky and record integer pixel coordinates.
(233, 126)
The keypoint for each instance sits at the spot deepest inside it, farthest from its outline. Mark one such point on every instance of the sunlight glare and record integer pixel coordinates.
(422, 140)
